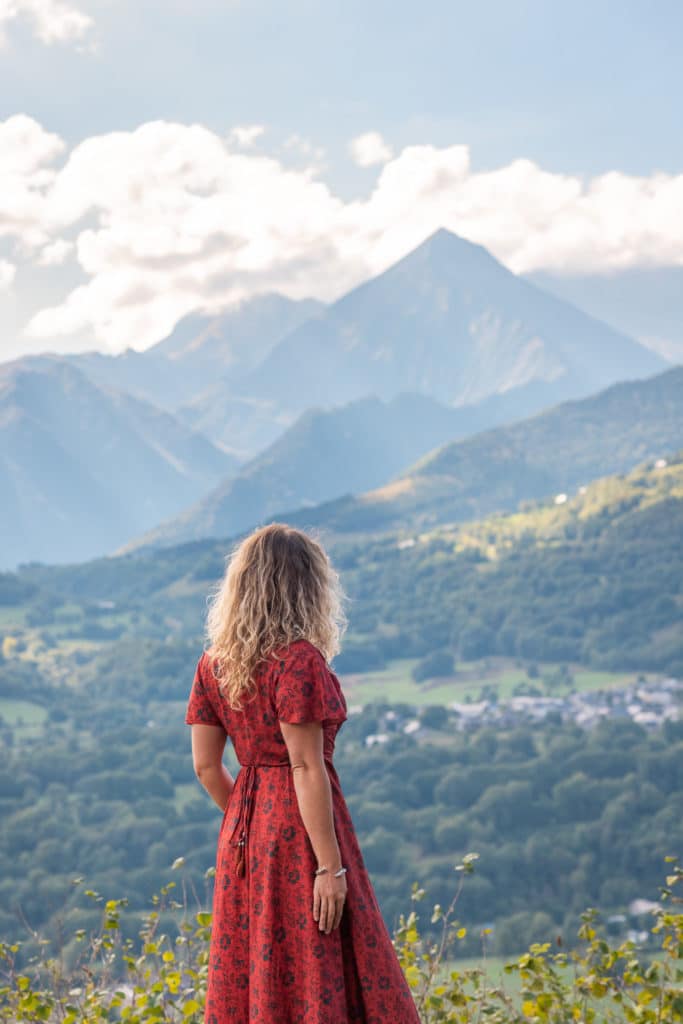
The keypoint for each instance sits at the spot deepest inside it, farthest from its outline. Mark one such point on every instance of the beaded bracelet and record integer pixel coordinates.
(337, 874)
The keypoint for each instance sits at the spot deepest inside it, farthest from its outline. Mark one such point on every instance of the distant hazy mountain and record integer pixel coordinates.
(236, 341)
(203, 357)
(451, 322)
(447, 321)
(646, 303)
(553, 452)
(82, 469)
(326, 453)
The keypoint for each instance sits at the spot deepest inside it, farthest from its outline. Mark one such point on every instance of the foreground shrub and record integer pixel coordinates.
(160, 975)
(595, 983)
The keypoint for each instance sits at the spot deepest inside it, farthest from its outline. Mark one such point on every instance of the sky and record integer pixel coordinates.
(162, 158)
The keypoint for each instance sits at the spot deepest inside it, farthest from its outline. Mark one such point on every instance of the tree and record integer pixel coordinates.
(435, 664)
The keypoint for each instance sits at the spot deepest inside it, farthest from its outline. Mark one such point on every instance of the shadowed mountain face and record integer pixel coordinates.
(555, 451)
(644, 302)
(324, 454)
(450, 322)
(81, 468)
(330, 455)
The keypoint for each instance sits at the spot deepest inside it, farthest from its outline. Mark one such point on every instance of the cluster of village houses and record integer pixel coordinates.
(650, 704)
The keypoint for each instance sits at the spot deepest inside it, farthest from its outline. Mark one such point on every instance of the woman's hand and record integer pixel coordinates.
(329, 897)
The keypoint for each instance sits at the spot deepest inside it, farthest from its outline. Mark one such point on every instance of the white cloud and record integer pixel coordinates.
(369, 149)
(52, 21)
(304, 147)
(54, 254)
(7, 273)
(27, 152)
(245, 135)
(168, 219)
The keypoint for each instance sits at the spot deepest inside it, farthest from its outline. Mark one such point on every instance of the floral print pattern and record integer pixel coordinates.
(269, 963)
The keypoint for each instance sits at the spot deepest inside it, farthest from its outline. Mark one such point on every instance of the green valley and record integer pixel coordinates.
(580, 594)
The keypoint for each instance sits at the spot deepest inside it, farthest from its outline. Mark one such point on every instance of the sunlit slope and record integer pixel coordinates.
(555, 451)
(596, 580)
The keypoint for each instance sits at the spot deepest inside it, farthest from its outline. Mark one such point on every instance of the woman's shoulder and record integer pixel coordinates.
(297, 652)
(205, 665)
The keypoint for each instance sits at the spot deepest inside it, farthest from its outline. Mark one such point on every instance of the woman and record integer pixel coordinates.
(297, 934)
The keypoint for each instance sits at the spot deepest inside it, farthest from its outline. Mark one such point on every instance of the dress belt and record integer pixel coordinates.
(241, 827)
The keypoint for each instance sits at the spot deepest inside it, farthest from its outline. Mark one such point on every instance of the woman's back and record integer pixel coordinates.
(295, 685)
(269, 960)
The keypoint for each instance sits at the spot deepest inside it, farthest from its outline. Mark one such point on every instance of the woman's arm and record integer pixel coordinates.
(208, 744)
(314, 796)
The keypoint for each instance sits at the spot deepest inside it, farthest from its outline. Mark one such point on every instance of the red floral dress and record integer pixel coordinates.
(269, 963)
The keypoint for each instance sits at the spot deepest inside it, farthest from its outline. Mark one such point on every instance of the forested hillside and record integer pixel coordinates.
(594, 578)
(97, 661)
(560, 817)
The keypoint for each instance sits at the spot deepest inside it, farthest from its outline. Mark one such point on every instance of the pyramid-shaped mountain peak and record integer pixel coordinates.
(444, 236)
(448, 250)
(450, 321)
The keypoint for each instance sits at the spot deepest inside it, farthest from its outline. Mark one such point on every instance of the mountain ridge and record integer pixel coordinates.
(201, 354)
(82, 467)
(488, 471)
(325, 453)
(492, 471)
(447, 320)
(412, 320)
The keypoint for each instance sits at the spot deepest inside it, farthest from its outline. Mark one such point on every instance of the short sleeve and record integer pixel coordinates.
(305, 687)
(200, 710)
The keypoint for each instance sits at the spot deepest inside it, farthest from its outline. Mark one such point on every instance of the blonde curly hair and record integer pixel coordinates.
(279, 586)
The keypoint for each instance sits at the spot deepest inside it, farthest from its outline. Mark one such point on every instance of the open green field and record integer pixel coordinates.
(12, 617)
(25, 717)
(493, 968)
(493, 972)
(395, 684)
(494, 976)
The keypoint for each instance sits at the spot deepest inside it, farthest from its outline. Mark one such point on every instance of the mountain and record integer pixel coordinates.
(554, 451)
(593, 580)
(237, 340)
(645, 302)
(203, 356)
(327, 458)
(324, 454)
(83, 468)
(449, 321)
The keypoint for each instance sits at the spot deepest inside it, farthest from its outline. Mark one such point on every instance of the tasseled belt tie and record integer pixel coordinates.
(240, 830)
